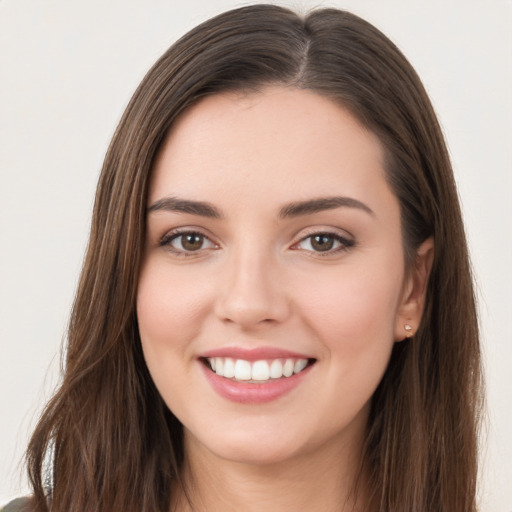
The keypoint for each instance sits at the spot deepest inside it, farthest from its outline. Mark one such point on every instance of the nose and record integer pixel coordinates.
(251, 291)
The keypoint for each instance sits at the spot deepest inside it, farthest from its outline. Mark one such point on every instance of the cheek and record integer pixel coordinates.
(352, 315)
(168, 305)
(353, 309)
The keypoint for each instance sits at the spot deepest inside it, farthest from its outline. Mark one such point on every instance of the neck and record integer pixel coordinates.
(327, 479)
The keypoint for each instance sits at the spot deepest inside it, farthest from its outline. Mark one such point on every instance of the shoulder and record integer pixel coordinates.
(18, 505)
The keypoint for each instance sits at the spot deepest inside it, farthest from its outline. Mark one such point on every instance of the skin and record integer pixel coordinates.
(257, 280)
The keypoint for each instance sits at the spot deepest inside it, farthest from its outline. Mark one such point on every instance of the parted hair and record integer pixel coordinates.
(106, 442)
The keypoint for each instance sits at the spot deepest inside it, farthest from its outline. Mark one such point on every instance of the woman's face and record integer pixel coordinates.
(273, 246)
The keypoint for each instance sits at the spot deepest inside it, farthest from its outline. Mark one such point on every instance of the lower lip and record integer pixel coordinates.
(250, 393)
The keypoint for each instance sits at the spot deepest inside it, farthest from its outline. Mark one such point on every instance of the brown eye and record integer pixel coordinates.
(329, 243)
(187, 242)
(191, 241)
(322, 242)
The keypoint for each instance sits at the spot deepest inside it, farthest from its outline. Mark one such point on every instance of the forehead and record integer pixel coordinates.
(281, 144)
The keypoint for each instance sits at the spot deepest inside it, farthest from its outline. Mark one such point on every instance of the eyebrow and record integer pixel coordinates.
(295, 209)
(321, 204)
(174, 204)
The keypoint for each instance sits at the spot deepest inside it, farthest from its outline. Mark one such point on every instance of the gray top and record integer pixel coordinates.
(17, 505)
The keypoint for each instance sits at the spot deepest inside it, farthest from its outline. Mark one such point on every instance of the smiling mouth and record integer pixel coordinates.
(256, 372)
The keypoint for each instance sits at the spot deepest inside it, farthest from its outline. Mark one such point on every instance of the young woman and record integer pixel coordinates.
(276, 307)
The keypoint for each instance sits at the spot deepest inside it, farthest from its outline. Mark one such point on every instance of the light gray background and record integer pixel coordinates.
(67, 70)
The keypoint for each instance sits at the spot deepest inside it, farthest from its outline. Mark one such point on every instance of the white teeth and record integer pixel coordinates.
(288, 368)
(219, 366)
(242, 370)
(259, 371)
(300, 364)
(229, 368)
(276, 369)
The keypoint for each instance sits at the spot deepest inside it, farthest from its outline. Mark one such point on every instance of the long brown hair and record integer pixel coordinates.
(106, 441)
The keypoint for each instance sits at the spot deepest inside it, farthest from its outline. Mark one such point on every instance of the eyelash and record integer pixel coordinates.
(168, 238)
(344, 243)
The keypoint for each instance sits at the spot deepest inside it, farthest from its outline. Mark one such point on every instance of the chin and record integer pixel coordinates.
(256, 447)
(257, 455)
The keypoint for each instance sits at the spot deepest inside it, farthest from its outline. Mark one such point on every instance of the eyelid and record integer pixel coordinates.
(346, 240)
(173, 234)
(185, 229)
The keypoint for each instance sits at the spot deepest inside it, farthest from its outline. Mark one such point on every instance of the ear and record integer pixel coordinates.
(414, 290)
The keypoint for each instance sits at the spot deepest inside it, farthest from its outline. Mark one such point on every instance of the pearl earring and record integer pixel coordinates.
(408, 329)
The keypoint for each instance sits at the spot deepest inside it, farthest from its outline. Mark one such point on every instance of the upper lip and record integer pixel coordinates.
(254, 354)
